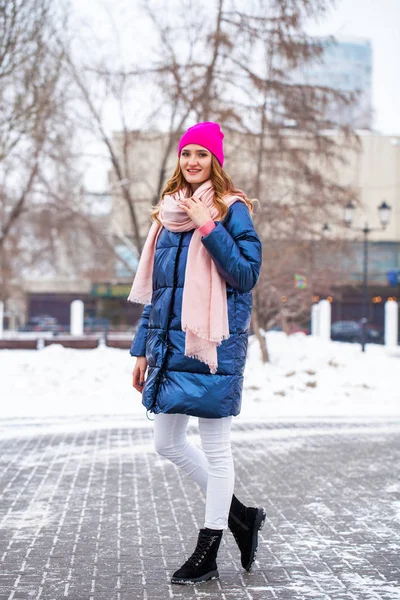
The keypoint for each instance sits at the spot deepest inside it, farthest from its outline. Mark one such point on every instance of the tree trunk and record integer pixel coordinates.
(255, 324)
(284, 321)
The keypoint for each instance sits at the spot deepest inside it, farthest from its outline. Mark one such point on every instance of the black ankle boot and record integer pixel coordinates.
(202, 565)
(245, 523)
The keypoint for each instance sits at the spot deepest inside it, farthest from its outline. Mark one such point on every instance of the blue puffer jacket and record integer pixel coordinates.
(176, 383)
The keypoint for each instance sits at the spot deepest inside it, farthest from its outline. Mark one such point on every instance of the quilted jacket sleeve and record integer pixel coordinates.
(235, 248)
(138, 347)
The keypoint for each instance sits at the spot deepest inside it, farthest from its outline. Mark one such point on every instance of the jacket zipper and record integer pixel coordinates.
(174, 286)
(169, 318)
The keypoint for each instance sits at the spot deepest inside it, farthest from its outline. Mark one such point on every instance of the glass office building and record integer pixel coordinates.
(346, 64)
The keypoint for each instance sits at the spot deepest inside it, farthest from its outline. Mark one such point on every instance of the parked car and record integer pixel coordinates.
(42, 323)
(96, 325)
(351, 331)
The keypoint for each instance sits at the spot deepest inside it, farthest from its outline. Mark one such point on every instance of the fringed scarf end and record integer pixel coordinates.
(213, 366)
(205, 335)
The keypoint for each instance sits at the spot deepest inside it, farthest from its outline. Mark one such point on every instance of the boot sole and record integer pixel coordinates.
(258, 525)
(207, 577)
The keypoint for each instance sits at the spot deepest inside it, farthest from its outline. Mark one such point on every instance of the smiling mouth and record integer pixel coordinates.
(193, 170)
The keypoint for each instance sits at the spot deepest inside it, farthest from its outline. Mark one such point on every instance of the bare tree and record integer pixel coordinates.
(46, 227)
(295, 172)
(238, 66)
(235, 62)
(30, 96)
(112, 86)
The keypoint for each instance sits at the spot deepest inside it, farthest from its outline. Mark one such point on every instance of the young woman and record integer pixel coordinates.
(200, 261)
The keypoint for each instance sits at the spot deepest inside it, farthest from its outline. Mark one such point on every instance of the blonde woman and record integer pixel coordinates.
(200, 261)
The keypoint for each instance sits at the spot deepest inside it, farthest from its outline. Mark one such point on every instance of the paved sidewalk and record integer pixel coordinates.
(89, 512)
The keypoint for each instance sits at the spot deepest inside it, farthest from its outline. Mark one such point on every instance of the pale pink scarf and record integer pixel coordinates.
(204, 302)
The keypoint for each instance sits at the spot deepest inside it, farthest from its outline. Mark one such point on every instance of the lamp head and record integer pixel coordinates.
(384, 213)
(349, 213)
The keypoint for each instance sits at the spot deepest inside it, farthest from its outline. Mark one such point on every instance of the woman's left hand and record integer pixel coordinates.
(196, 210)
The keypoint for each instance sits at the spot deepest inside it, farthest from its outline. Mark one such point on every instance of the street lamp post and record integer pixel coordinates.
(384, 211)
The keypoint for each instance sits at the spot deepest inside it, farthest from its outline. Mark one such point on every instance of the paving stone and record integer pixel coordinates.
(96, 514)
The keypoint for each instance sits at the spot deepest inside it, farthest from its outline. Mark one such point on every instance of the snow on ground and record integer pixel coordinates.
(309, 377)
(305, 378)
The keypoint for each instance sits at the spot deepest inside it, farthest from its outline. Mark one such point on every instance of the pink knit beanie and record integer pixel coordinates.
(207, 134)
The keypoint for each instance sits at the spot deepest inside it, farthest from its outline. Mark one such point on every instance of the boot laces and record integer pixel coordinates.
(203, 545)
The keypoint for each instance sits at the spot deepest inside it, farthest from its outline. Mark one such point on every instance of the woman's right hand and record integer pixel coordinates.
(139, 371)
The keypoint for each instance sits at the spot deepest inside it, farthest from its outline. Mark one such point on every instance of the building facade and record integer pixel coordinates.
(373, 170)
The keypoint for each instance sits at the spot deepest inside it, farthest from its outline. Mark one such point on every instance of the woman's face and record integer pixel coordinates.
(195, 164)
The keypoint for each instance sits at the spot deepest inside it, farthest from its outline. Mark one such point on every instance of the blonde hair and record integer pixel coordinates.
(221, 181)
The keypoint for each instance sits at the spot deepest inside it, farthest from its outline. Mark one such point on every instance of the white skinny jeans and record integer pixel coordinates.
(211, 467)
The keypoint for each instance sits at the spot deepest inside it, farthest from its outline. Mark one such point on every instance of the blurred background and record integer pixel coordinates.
(94, 98)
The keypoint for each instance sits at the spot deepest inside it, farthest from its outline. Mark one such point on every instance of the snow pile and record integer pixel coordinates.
(309, 377)
(305, 378)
